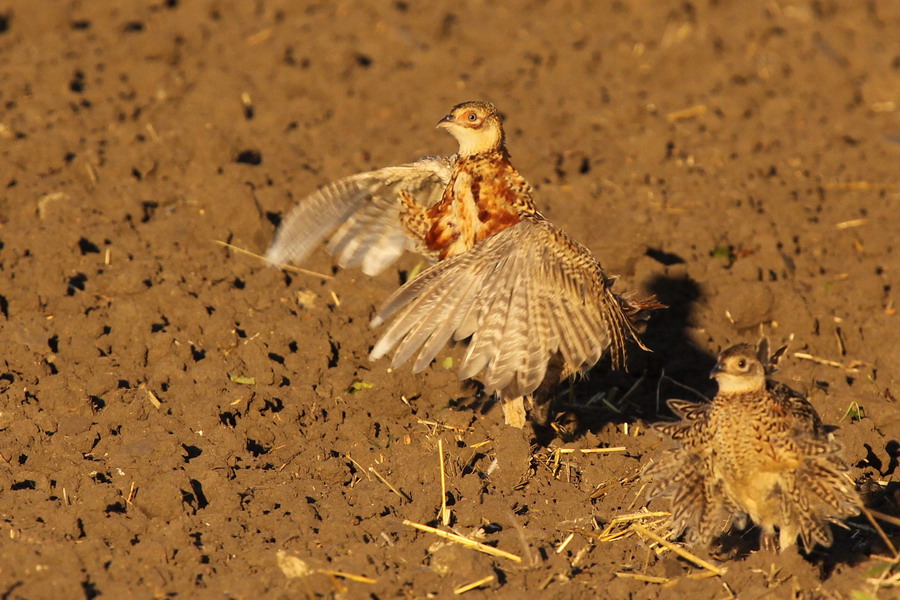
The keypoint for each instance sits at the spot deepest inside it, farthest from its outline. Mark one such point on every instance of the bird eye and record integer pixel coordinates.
(742, 364)
(472, 117)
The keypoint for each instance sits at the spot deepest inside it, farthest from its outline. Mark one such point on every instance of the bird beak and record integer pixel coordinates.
(716, 370)
(445, 122)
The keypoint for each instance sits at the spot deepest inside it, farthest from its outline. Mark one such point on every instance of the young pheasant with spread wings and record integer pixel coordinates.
(758, 450)
(535, 305)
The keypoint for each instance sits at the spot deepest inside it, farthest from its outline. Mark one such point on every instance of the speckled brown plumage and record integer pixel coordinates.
(535, 304)
(758, 450)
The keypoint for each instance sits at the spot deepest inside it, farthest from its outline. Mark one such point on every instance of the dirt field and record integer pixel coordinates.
(174, 415)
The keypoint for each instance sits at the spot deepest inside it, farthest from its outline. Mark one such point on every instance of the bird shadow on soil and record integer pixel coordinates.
(675, 367)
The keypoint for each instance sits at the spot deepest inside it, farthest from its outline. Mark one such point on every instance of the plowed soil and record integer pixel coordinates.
(178, 419)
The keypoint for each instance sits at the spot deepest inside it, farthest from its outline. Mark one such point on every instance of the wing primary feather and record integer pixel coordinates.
(403, 325)
(384, 249)
(536, 352)
(447, 323)
(497, 299)
(314, 219)
(424, 317)
(414, 296)
(522, 295)
(409, 292)
(361, 213)
(512, 340)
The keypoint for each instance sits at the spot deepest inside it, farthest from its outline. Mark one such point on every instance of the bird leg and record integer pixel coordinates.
(541, 406)
(514, 413)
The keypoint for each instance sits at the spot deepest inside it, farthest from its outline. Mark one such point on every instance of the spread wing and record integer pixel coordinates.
(361, 214)
(522, 295)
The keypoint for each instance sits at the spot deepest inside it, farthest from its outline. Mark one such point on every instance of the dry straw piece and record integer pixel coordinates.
(851, 367)
(465, 541)
(591, 450)
(290, 268)
(641, 577)
(444, 511)
(644, 532)
(888, 577)
(402, 495)
(154, 400)
(565, 543)
(434, 425)
(295, 567)
(349, 576)
(475, 584)
(620, 527)
(698, 110)
(871, 516)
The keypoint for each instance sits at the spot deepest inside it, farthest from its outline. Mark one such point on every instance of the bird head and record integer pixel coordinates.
(476, 126)
(738, 370)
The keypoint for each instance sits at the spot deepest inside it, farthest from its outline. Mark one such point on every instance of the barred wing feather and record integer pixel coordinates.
(521, 296)
(361, 214)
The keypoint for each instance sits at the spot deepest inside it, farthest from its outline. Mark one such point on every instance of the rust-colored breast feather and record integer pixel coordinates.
(485, 196)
